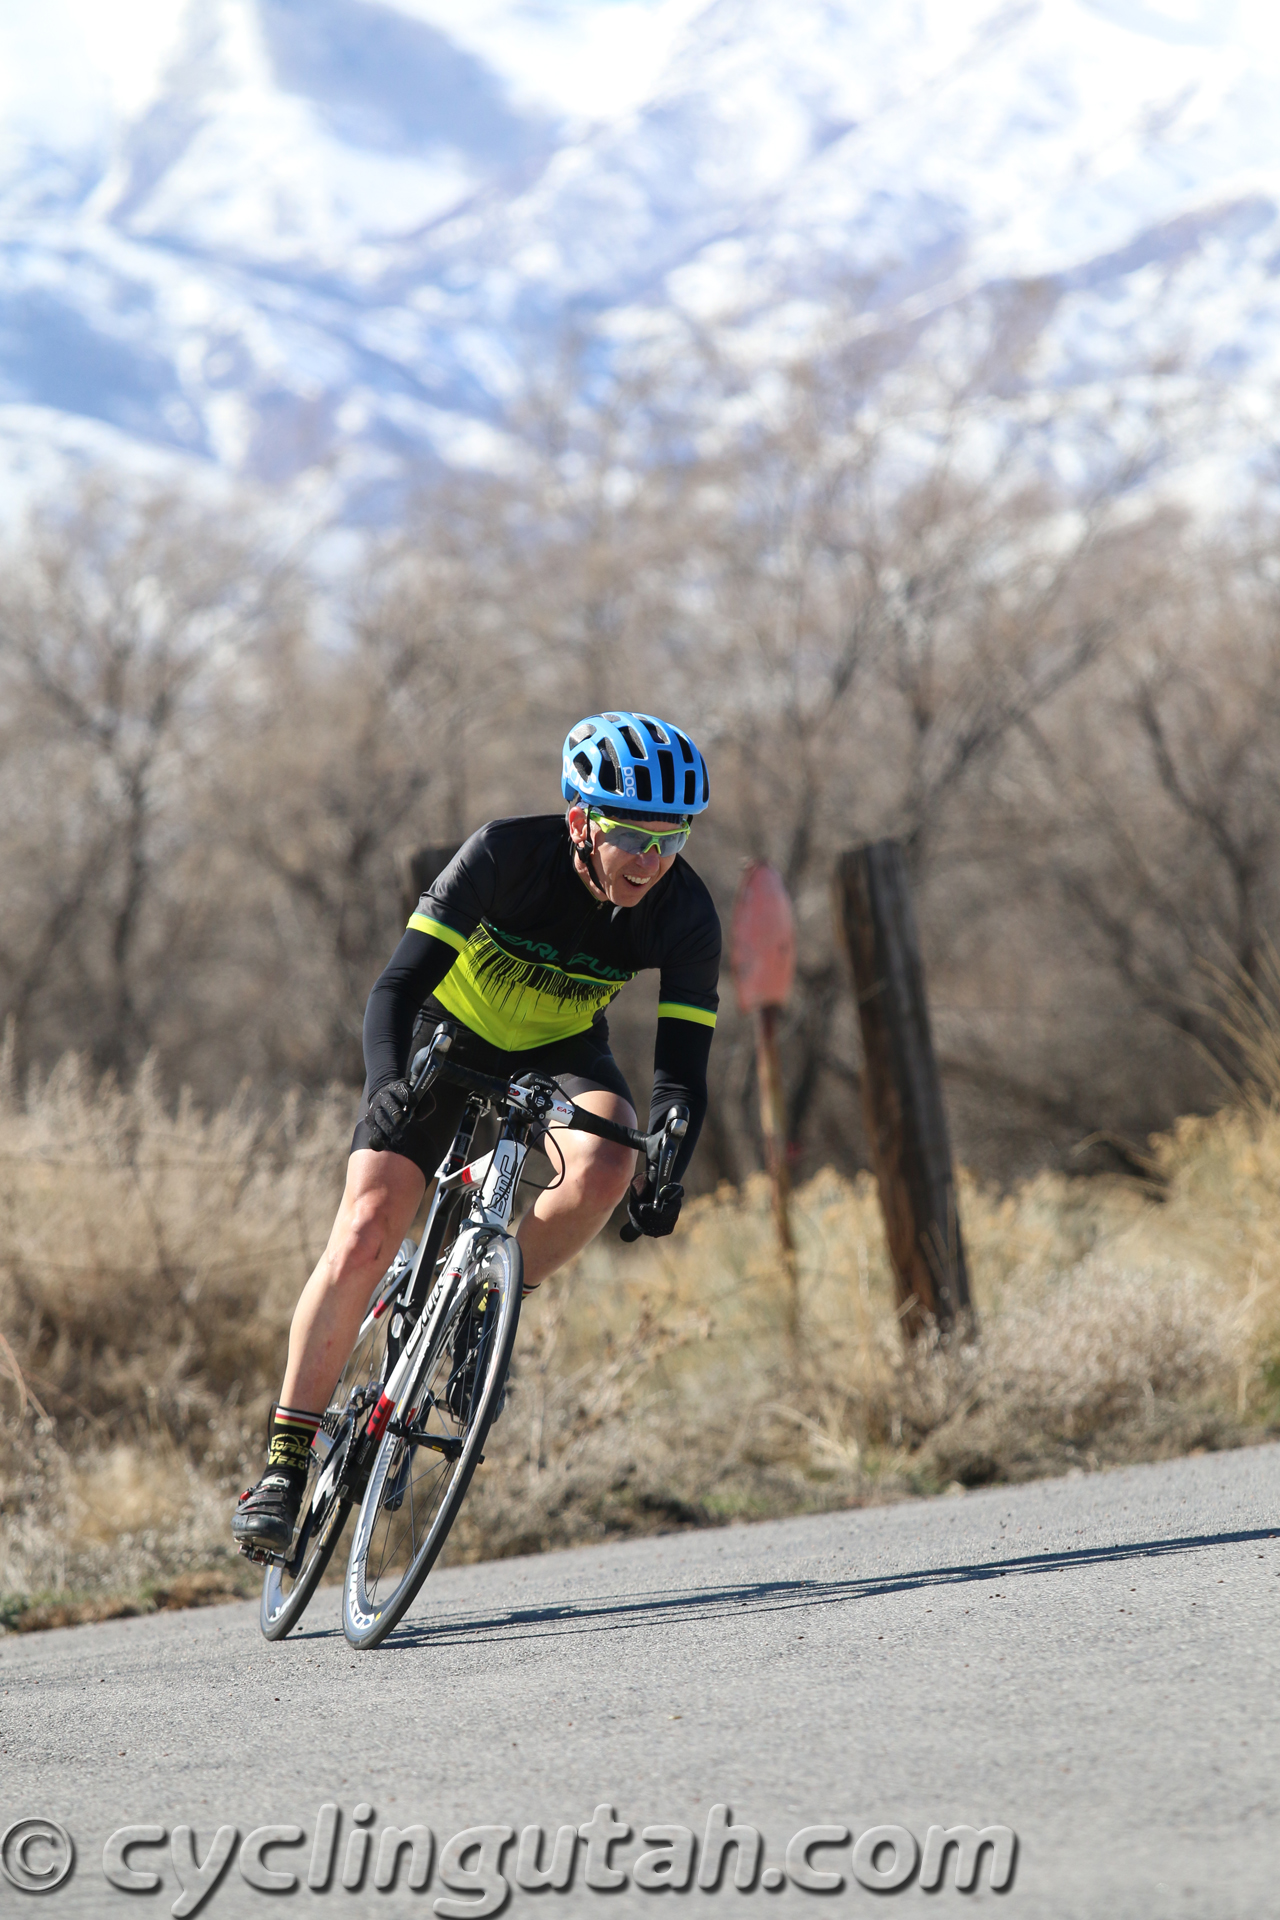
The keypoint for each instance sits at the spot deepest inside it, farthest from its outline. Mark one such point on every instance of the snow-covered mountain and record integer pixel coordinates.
(327, 247)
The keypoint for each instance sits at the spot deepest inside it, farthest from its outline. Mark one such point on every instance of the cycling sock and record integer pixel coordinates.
(289, 1438)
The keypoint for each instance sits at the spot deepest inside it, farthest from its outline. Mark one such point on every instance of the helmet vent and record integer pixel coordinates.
(685, 749)
(706, 785)
(610, 767)
(668, 768)
(634, 741)
(614, 719)
(581, 733)
(656, 732)
(583, 764)
(690, 787)
(644, 786)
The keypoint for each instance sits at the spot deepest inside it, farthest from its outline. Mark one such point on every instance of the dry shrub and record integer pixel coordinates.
(1104, 1364)
(149, 1262)
(1101, 1341)
(150, 1259)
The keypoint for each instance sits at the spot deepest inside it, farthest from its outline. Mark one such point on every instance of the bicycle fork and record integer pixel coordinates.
(501, 1176)
(419, 1339)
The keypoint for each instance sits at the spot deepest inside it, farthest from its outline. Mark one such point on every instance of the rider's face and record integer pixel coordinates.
(627, 876)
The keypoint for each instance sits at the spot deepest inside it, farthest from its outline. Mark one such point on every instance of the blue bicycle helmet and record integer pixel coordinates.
(636, 763)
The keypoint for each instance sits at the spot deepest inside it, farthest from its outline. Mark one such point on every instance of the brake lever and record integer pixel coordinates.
(659, 1165)
(422, 1066)
(673, 1133)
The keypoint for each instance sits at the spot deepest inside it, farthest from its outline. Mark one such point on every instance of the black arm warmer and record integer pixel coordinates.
(414, 970)
(680, 1057)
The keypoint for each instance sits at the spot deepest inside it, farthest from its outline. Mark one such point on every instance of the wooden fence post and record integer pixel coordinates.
(418, 867)
(902, 1095)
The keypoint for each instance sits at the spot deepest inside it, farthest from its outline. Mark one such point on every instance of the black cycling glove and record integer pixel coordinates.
(388, 1115)
(655, 1217)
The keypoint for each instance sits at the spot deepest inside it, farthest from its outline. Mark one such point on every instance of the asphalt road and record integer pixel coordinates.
(1089, 1662)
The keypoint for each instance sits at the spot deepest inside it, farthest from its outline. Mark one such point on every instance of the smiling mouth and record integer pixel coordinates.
(638, 880)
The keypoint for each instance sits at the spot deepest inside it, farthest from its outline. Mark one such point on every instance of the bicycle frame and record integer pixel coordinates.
(496, 1177)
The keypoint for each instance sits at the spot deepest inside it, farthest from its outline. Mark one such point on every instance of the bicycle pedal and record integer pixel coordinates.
(261, 1558)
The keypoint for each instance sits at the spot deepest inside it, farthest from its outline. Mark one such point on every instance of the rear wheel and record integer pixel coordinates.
(287, 1588)
(428, 1455)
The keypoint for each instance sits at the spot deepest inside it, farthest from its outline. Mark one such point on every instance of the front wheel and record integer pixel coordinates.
(429, 1453)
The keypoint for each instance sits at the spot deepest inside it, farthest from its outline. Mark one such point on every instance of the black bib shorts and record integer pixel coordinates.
(581, 1064)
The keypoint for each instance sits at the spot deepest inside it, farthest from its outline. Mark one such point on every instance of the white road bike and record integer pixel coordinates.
(409, 1418)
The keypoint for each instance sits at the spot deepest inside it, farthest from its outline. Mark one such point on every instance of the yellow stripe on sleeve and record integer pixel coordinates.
(676, 1010)
(420, 924)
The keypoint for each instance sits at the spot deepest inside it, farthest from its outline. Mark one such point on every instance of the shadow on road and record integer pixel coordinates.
(609, 1614)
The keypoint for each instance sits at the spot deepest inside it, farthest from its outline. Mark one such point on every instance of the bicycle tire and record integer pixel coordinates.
(393, 1550)
(283, 1605)
(287, 1588)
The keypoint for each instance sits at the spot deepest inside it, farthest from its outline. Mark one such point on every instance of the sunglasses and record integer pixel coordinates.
(630, 838)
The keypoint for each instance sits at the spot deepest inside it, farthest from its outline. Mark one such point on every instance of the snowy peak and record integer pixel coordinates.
(323, 248)
(382, 81)
(291, 131)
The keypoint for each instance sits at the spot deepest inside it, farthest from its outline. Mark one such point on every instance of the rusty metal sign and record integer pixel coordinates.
(762, 943)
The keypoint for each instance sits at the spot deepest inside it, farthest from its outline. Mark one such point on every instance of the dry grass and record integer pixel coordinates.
(149, 1262)
(148, 1266)
(1115, 1326)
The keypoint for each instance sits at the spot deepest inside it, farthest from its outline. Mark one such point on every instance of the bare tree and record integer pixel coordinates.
(117, 621)
(1064, 706)
(1159, 816)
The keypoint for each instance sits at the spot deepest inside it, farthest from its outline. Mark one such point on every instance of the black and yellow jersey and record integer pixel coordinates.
(509, 942)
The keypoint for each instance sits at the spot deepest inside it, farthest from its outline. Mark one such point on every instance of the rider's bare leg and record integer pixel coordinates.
(381, 1197)
(597, 1173)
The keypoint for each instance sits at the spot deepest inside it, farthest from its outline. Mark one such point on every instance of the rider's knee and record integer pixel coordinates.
(362, 1235)
(605, 1176)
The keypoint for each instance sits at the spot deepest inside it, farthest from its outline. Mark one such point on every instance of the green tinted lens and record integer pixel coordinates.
(629, 839)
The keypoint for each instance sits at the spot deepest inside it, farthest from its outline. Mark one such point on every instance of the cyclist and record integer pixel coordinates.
(521, 943)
